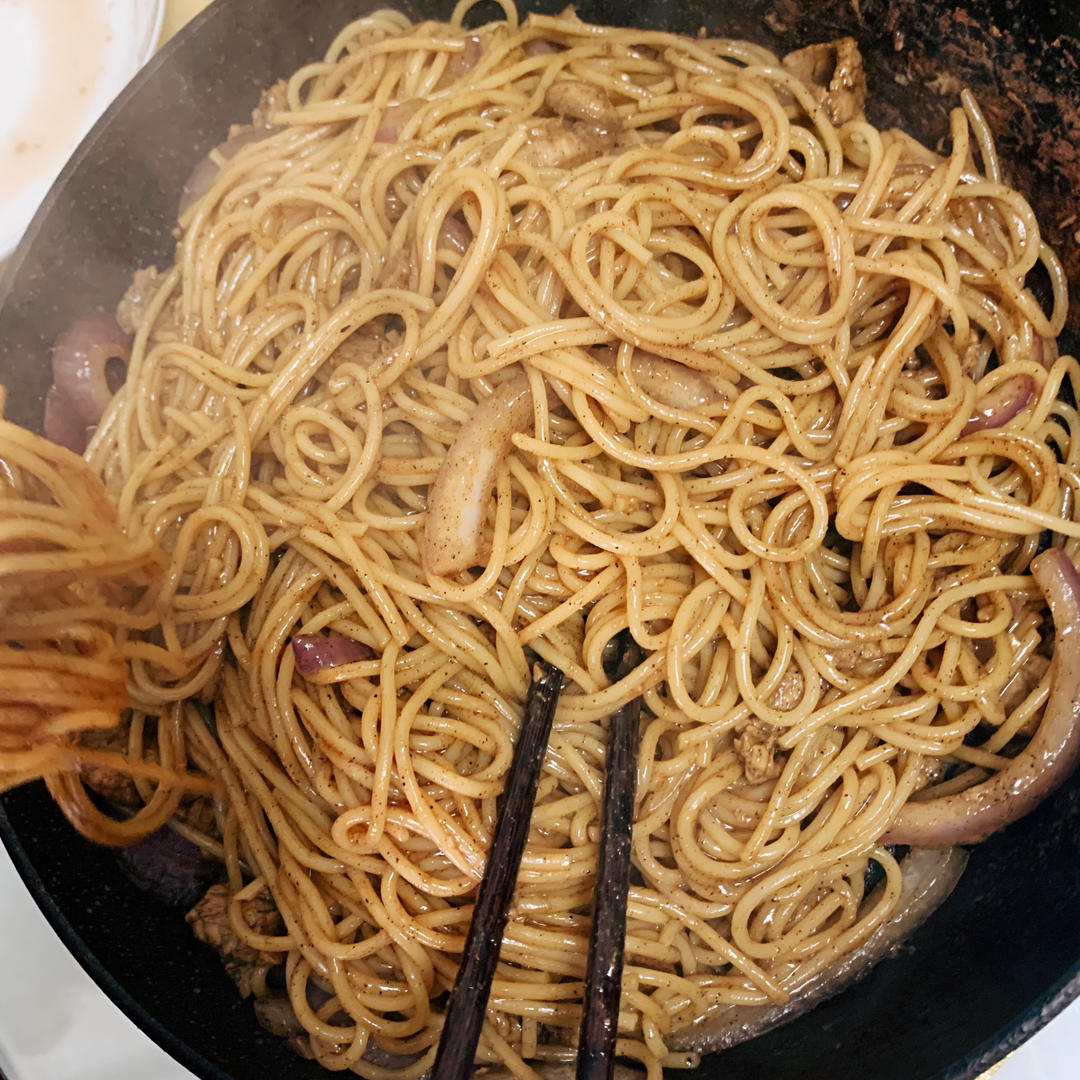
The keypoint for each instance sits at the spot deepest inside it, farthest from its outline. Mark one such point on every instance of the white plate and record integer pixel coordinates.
(55, 1024)
(61, 63)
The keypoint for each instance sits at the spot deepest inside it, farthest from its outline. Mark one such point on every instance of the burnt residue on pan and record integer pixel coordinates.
(1021, 60)
(1029, 91)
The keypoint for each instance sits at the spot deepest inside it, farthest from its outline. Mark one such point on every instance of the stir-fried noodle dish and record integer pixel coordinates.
(484, 344)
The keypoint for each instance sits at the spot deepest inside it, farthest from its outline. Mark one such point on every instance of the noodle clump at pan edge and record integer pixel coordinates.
(516, 339)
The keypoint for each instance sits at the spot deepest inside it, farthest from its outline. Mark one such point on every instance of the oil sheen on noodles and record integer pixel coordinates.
(513, 339)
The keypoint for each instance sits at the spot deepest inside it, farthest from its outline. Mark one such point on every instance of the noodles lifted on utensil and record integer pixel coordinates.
(487, 341)
(70, 580)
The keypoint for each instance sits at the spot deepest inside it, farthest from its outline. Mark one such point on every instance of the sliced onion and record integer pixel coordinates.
(455, 235)
(395, 118)
(460, 496)
(565, 1068)
(669, 382)
(929, 876)
(540, 47)
(462, 63)
(89, 364)
(62, 425)
(676, 385)
(384, 1059)
(998, 406)
(314, 653)
(205, 173)
(458, 500)
(1048, 759)
(275, 1014)
(170, 867)
(197, 184)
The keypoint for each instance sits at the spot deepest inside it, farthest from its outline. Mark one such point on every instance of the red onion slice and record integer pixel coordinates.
(454, 235)
(998, 406)
(460, 496)
(61, 425)
(89, 364)
(929, 876)
(676, 385)
(205, 172)
(170, 867)
(314, 653)
(540, 47)
(395, 118)
(460, 64)
(275, 1014)
(1048, 759)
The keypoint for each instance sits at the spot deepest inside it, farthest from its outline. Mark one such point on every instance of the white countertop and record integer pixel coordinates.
(78, 1034)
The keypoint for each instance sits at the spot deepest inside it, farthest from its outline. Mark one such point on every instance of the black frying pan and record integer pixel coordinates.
(1001, 957)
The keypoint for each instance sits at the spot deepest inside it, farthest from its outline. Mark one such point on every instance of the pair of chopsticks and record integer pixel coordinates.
(603, 983)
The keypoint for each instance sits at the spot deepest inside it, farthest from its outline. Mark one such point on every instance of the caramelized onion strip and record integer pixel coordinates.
(1048, 759)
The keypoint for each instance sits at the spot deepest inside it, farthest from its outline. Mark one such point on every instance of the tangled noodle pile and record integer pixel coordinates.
(485, 344)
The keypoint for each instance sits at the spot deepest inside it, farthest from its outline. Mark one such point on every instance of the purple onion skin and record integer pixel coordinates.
(1048, 759)
(61, 425)
(314, 653)
(541, 47)
(395, 118)
(463, 62)
(455, 235)
(206, 171)
(996, 408)
(170, 867)
(89, 364)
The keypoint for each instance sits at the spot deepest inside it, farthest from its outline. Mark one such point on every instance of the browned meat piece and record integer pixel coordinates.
(575, 99)
(755, 745)
(789, 690)
(133, 304)
(115, 786)
(585, 125)
(119, 788)
(363, 347)
(862, 659)
(555, 145)
(834, 72)
(198, 812)
(209, 921)
(273, 99)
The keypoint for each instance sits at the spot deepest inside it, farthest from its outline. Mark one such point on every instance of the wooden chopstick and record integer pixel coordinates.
(607, 938)
(472, 987)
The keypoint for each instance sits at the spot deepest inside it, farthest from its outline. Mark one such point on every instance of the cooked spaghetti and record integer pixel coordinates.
(483, 343)
(69, 577)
